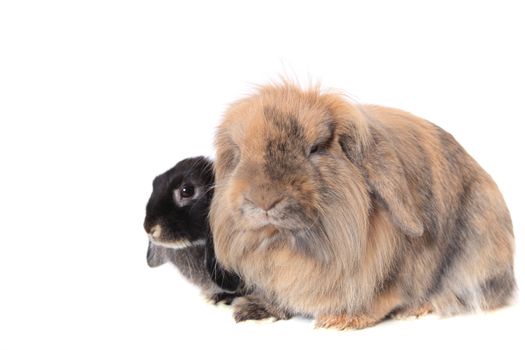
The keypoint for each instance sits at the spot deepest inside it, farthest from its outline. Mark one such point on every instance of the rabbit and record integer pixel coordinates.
(178, 231)
(350, 213)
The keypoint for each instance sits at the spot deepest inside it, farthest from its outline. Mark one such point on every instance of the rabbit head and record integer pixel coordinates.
(177, 211)
(290, 172)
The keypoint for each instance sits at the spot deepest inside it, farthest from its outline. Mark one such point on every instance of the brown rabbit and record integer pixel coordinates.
(350, 213)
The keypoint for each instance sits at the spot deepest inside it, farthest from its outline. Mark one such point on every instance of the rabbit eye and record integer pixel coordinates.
(187, 191)
(186, 194)
(314, 149)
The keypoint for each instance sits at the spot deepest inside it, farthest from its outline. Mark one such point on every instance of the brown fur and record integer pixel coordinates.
(389, 212)
(417, 312)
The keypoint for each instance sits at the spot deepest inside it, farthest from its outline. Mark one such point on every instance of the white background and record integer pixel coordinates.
(98, 97)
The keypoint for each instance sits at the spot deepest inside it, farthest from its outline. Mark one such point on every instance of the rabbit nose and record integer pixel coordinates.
(152, 229)
(155, 231)
(263, 201)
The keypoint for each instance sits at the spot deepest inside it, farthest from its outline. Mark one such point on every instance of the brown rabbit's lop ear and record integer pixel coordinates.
(387, 180)
(364, 146)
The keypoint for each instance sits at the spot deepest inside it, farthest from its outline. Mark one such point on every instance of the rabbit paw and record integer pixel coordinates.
(249, 309)
(342, 322)
(226, 298)
(403, 313)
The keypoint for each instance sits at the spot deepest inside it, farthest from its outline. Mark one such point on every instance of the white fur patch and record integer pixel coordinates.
(180, 244)
(156, 231)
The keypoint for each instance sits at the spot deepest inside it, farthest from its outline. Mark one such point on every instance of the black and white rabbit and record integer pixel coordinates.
(178, 231)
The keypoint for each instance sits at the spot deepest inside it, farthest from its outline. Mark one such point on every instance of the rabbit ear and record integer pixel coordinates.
(387, 181)
(157, 255)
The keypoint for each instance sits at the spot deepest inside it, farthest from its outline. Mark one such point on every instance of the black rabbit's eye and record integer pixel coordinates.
(186, 194)
(187, 191)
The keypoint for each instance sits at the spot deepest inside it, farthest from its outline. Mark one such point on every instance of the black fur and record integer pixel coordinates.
(228, 281)
(188, 223)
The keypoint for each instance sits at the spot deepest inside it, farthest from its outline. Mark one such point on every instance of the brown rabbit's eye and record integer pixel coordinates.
(187, 191)
(314, 149)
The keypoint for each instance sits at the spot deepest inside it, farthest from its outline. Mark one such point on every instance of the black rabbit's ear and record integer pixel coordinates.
(386, 180)
(157, 255)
